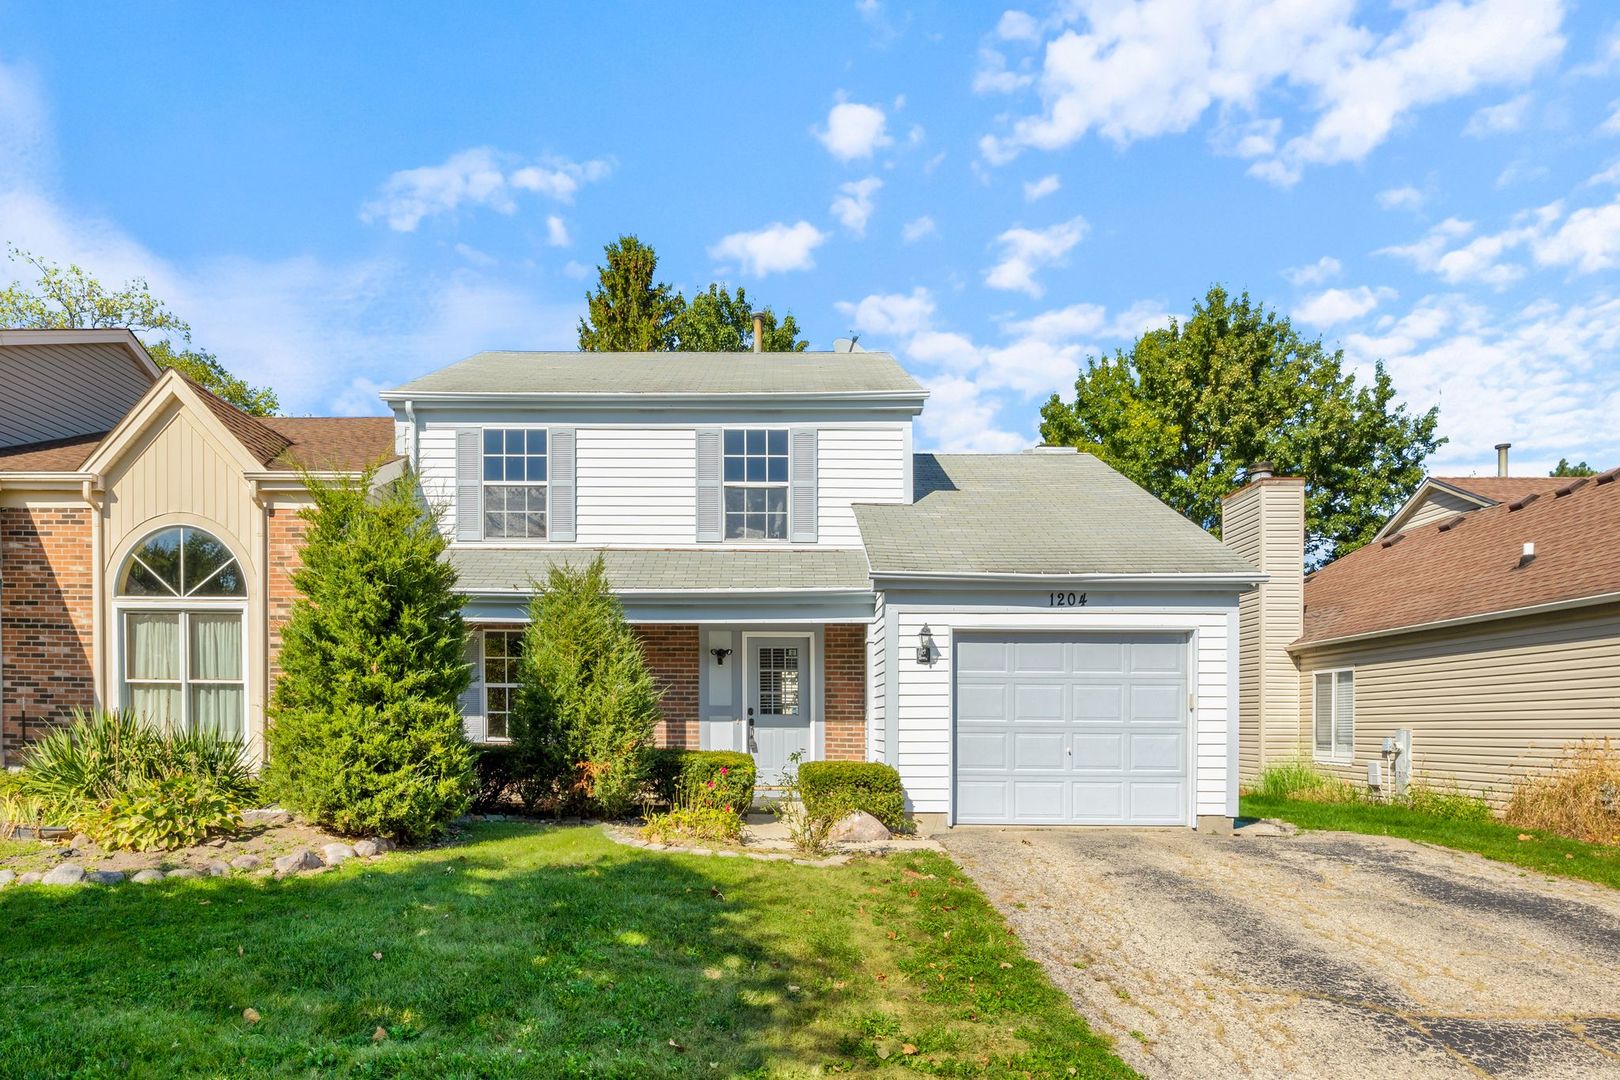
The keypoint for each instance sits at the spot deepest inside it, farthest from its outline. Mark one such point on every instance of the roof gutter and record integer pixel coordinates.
(637, 398)
(49, 481)
(1242, 579)
(685, 594)
(1550, 608)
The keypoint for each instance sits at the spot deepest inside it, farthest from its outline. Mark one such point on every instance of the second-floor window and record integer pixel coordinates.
(514, 484)
(756, 482)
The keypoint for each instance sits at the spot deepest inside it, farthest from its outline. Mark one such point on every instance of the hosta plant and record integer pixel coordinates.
(160, 815)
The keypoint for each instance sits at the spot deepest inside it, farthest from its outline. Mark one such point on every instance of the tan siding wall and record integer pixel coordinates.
(1240, 529)
(1437, 506)
(1485, 704)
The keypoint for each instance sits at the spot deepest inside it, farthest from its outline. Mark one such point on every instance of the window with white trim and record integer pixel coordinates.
(501, 651)
(514, 483)
(755, 472)
(1334, 715)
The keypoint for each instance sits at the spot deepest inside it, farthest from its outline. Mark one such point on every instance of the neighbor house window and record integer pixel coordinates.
(514, 484)
(756, 480)
(501, 650)
(1335, 715)
(180, 597)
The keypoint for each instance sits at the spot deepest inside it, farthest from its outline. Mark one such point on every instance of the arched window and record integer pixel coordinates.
(181, 599)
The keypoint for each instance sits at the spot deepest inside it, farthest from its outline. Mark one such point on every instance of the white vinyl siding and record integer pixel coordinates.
(636, 485)
(877, 686)
(1333, 712)
(856, 465)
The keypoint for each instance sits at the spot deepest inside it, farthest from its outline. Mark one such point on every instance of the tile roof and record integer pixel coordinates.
(1469, 564)
(1034, 513)
(1502, 488)
(55, 455)
(485, 569)
(667, 373)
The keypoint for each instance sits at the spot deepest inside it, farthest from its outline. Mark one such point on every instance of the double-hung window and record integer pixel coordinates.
(514, 484)
(502, 649)
(756, 483)
(1334, 713)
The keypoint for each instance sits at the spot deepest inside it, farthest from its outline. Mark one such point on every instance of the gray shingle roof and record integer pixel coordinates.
(485, 569)
(666, 374)
(1044, 513)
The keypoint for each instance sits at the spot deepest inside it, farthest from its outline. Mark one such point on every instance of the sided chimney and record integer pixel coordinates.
(1264, 521)
(1501, 457)
(759, 331)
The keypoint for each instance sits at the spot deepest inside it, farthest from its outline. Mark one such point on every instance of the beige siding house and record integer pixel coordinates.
(1475, 644)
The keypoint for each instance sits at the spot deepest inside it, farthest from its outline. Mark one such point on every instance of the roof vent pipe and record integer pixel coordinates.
(1501, 457)
(759, 331)
(1527, 554)
(1260, 470)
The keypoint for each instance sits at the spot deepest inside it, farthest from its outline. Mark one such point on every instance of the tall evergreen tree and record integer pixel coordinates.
(629, 311)
(365, 736)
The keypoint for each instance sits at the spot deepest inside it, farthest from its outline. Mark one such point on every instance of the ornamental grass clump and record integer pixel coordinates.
(1579, 797)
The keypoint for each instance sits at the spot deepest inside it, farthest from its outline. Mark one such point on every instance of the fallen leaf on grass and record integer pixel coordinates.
(677, 1047)
(908, 1049)
(376, 956)
(1525, 836)
(379, 1035)
(251, 1015)
(1004, 964)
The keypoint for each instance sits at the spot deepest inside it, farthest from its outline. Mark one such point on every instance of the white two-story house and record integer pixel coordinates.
(1028, 638)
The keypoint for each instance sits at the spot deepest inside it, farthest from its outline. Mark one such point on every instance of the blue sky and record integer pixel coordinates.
(341, 197)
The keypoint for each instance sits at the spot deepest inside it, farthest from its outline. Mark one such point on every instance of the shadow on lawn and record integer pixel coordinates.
(509, 954)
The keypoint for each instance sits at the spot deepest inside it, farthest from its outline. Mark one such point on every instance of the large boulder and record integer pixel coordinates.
(247, 862)
(149, 876)
(65, 874)
(293, 862)
(858, 828)
(30, 878)
(334, 854)
(270, 816)
(366, 848)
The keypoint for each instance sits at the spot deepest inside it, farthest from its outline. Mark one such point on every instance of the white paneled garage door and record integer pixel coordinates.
(1072, 729)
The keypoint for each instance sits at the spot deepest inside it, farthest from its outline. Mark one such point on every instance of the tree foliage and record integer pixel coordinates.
(1189, 407)
(630, 311)
(68, 297)
(1566, 468)
(586, 703)
(365, 734)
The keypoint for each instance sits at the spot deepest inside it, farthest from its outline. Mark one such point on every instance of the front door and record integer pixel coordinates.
(778, 679)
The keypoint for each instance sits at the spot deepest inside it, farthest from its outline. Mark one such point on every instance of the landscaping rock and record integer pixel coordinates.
(148, 876)
(270, 816)
(859, 828)
(334, 854)
(366, 848)
(217, 868)
(383, 843)
(7, 877)
(65, 874)
(104, 877)
(80, 841)
(247, 862)
(302, 859)
(184, 873)
(30, 878)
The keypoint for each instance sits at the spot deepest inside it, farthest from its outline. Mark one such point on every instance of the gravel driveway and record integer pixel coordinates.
(1322, 955)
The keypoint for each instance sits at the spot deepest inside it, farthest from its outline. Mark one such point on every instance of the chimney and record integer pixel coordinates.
(1264, 521)
(759, 331)
(1501, 457)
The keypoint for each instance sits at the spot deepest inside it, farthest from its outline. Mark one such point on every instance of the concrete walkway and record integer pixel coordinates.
(1322, 955)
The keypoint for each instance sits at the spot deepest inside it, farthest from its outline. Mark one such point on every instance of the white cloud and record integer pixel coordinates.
(897, 314)
(557, 231)
(853, 207)
(774, 249)
(1330, 307)
(994, 77)
(960, 419)
(918, 229)
(1324, 269)
(26, 149)
(474, 256)
(1587, 241)
(1522, 171)
(1611, 125)
(1040, 189)
(1157, 67)
(853, 131)
(1500, 119)
(576, 270)
(1063, 324)
(1401, 198)
(1583, 241)
(1025, 252)
(476, 177)
(1017, 25)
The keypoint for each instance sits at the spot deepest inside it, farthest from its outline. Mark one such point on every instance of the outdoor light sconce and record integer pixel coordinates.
(925, 645)
(720, 656)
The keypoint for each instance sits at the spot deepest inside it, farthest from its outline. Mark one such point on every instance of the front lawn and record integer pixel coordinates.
(1544, 852)
(539, 952)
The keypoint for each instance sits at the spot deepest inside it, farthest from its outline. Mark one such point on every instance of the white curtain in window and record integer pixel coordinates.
(1324, 713)
(216, 646)
(217, 709)
(156, 703)
(1344, 714)
(154, 645)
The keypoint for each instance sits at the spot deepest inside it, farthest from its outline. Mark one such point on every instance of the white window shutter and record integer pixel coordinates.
(802, 444)
(469, 484)
(1344, 715)
(710, 487)
(472, 698)
(1323, 713)
(560, 470)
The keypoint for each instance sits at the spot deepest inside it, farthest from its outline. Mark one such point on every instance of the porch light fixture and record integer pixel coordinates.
(720, 656)
(925, 645)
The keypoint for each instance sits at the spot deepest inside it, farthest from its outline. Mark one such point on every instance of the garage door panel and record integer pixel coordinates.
(1080, 729)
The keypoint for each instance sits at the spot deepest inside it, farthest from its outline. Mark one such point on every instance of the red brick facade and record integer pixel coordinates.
(673, 657)
(285, 529)
(844, 691)
(47, 611)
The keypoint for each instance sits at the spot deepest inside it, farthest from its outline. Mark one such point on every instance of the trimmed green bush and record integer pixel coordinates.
(497, 769)
(832, 789)
(677, 773)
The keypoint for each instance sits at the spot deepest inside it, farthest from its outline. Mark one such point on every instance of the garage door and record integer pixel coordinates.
(1087, 730)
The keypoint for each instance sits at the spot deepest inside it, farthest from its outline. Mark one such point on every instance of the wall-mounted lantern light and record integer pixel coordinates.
(720, 656)
(925, 645)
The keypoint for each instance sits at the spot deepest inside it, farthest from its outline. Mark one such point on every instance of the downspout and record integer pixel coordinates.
(412, 439)
(261, 654)
(98, 596)
(3, 760)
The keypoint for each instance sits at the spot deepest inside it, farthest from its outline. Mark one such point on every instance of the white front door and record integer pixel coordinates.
(778, 688)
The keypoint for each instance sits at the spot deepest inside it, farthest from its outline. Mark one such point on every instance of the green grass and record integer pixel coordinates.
(535, 952)
(1544, 852)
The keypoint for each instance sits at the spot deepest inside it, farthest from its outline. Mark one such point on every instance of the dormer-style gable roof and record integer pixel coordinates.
(1440, 496)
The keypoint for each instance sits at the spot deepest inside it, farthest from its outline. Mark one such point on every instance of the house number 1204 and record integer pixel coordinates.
(1065, 599)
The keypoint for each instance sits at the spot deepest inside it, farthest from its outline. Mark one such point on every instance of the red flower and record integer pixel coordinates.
(711, 785)
(729, 810)
(725, 770)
